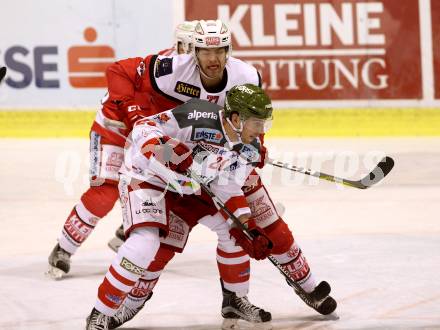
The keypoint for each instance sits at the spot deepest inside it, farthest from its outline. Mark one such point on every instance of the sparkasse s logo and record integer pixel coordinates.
(87, 64)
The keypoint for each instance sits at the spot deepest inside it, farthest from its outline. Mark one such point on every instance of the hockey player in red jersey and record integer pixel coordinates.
(221, 146)
(183, 39)
(183, 45)
(107, 138)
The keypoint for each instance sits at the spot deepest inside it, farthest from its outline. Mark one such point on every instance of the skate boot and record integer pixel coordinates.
(319, 299)
(125, 314)
(240, 308)
(118, 240)
(59, 263)
(97, 321)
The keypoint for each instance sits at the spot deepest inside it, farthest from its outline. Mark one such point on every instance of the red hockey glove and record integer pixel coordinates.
(133, 113)
(263, 156)
(259, 247)
(170, 152)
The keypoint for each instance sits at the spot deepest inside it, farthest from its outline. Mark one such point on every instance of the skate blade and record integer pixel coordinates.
(233, 324)
(115, 243)
(55, 273)
(230, 324)
(331, 317)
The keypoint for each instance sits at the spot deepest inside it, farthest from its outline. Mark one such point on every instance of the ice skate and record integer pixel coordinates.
(59, 263)
(97, 321)
(240, 308)
(118, 240)
(125, 314)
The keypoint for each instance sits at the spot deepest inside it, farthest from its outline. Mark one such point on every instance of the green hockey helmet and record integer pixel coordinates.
(248, 101)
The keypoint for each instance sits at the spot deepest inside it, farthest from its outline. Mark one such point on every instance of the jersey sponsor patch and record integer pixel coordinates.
(209, 147)
(189, 113)
(131, 267)
(187, 89)
(248, 151)
(208, 135)
(196, 115)
(178, 234)
(164, 66)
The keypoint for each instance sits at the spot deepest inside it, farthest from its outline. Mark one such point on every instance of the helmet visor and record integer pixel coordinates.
(259, 126)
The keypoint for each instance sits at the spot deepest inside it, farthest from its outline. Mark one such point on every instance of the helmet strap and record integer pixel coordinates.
(236, 130)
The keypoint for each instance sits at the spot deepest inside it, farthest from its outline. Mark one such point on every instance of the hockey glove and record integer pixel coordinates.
(132, 113)
(259, 247)
(170, 152)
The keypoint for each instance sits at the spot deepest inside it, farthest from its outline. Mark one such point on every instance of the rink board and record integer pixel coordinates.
(287, 123)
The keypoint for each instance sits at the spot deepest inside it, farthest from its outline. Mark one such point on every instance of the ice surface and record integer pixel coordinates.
(378, 248)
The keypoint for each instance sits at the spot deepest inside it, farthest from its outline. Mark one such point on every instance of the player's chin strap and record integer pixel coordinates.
(236, 130)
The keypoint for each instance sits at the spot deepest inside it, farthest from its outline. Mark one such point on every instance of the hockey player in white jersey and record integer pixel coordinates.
(200, 131)
(221, 146)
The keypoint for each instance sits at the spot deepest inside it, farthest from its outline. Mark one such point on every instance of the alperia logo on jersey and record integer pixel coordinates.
(196, 115)
(187, 89)
(208, 135)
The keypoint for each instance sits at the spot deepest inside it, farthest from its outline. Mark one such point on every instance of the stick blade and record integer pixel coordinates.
(377, 174)
(2, 73)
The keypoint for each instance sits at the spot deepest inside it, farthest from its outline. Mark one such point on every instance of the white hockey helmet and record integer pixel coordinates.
(212, 34)
(184, 35)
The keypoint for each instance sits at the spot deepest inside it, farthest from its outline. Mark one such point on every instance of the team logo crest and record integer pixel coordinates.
(163, 67)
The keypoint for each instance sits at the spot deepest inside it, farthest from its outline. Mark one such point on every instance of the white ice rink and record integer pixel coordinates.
(378, 248)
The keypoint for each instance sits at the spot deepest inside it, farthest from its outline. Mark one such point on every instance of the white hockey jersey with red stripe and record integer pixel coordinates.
(197, 124)
(178, 78)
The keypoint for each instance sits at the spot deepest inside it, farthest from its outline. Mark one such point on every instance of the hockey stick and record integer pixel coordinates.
(324, 307)
(2, 73)
(377, 174)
